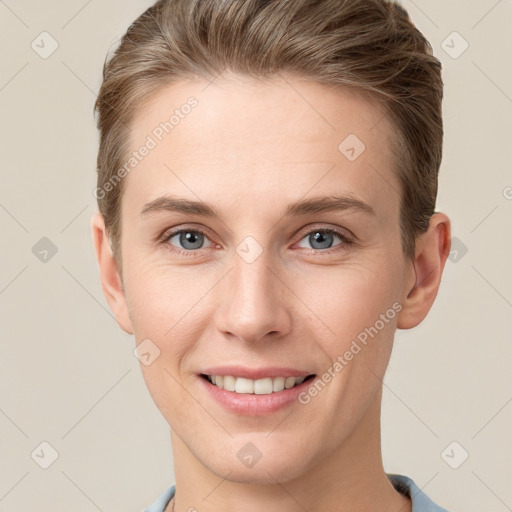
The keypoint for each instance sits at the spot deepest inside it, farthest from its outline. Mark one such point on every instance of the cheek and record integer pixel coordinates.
(163, 383)
(345, 301)
(358, 310)
(162, 300)
(165, 306)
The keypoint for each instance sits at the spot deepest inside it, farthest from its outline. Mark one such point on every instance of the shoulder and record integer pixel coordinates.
(420, 501)
(162, 500)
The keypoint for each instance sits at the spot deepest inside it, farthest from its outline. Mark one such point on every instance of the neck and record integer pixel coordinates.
(350, 478)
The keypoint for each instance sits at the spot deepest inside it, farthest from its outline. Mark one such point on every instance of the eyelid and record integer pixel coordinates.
(347, 243)
(184, 227)
(163, 240)
(343, 232)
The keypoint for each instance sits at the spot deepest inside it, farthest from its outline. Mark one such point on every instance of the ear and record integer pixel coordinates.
(432, 250)
(111, 281)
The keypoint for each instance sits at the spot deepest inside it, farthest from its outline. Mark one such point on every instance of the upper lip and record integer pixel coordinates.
(255, 373)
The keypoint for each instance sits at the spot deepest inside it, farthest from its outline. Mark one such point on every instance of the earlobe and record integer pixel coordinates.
(111, 281)
(432, 250)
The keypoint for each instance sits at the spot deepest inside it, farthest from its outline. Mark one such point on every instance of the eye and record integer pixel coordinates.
(322, 239)
(186, 240)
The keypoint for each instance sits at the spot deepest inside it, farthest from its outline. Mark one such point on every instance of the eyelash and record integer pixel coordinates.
(347, 241)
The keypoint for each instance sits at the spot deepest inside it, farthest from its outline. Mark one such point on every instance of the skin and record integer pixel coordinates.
(250, 148)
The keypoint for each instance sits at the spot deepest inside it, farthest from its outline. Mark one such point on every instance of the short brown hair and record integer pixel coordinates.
(369, 45)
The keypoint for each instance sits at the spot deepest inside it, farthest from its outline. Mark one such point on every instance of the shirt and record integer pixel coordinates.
(403, 484)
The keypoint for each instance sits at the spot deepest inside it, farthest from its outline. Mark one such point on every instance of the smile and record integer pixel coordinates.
(254, 397)
(264, 386)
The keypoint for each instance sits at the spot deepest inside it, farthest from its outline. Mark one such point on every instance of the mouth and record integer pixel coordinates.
(263, 386)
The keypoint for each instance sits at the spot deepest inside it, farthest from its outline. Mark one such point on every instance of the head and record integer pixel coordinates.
(255, 109)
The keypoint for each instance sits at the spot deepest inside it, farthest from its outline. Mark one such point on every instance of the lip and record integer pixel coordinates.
(253, 404)
(255, 373)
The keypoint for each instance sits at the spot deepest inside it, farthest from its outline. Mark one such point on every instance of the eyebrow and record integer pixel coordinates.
(314, 205)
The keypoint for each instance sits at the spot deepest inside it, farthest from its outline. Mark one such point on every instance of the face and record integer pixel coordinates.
(294, 264)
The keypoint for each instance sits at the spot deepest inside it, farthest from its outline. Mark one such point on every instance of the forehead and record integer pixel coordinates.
(234, 139)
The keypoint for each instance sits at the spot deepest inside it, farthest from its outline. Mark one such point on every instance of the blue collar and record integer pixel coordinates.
(403, 484)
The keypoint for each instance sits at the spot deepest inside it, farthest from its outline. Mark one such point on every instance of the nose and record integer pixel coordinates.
(254, 301)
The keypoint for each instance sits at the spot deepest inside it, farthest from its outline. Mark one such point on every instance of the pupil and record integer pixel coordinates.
(322, 238)
(190, 237)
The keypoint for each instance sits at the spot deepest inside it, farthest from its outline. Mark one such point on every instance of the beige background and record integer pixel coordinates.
(68, 374)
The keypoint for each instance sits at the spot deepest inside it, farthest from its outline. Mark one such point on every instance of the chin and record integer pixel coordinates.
(268, 469)
(260, 476)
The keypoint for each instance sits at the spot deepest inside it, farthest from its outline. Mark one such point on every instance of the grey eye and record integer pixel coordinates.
(189, 239)
(321, 239)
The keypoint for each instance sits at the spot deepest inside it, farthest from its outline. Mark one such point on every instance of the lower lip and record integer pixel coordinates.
(252, 404)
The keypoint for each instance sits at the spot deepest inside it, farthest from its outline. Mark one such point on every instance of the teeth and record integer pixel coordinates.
(264, 386)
